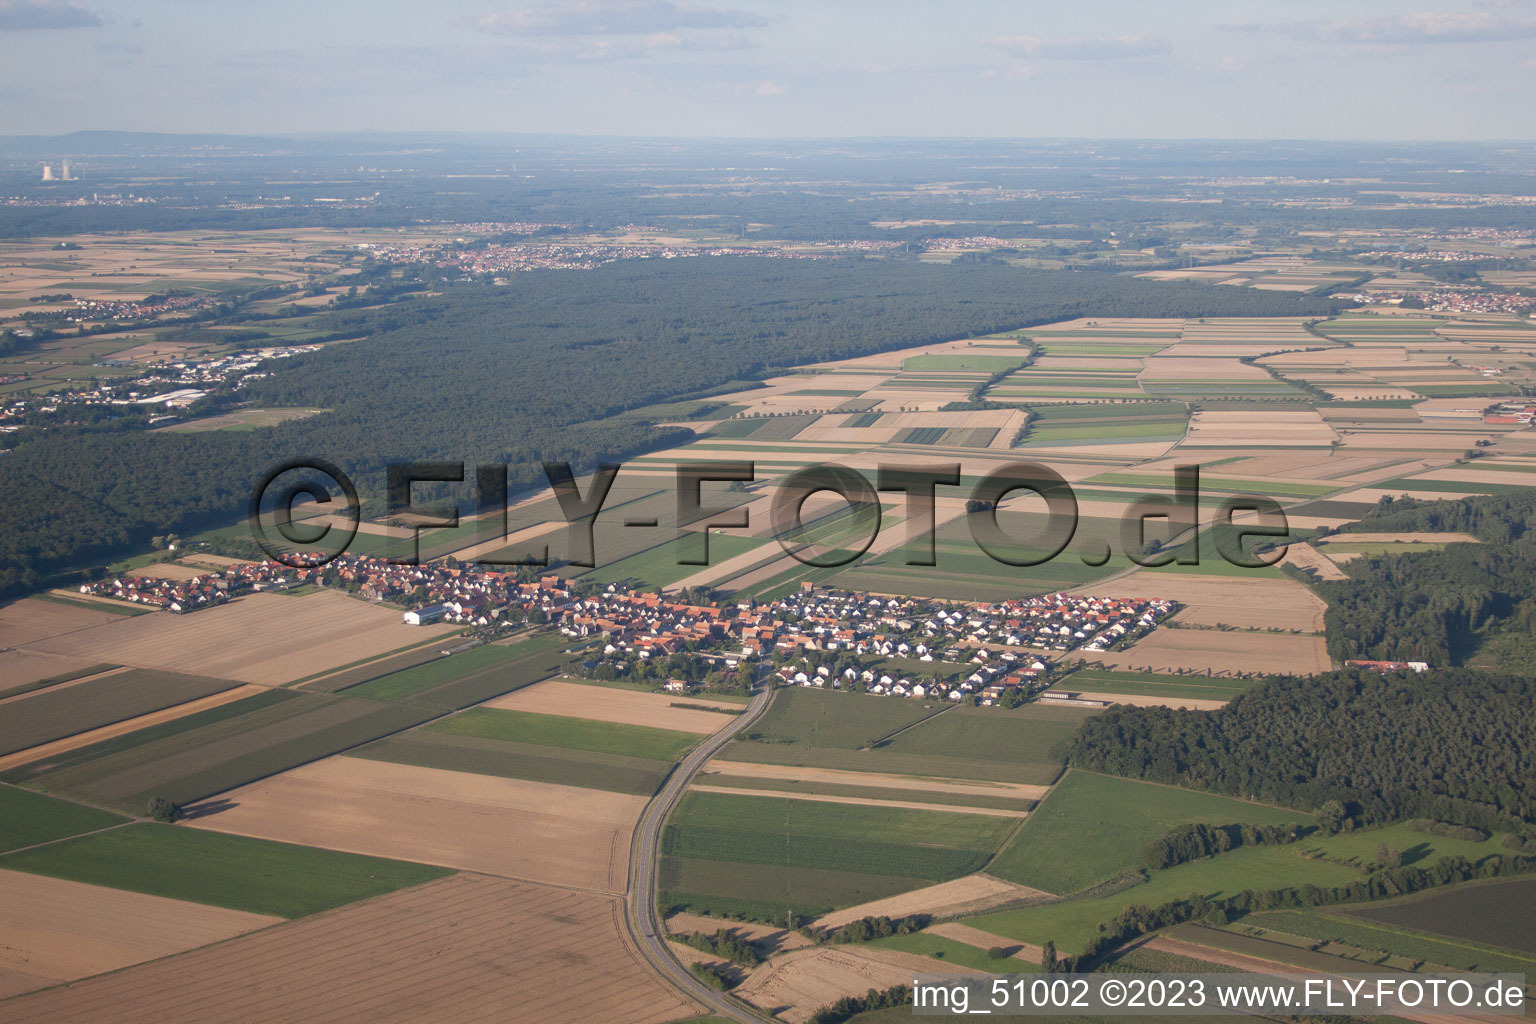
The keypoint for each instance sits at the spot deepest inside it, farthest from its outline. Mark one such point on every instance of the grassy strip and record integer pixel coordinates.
(929, 796)
(65, 677)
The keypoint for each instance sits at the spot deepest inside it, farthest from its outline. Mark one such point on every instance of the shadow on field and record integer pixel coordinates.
(206, 808)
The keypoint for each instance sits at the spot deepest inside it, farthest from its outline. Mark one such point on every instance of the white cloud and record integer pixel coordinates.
(19, 15)
(1083, 47)
(613, 17)
(1422, 27)
(770, 89)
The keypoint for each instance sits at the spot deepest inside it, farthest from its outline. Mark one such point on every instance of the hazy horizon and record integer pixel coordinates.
(747, 69)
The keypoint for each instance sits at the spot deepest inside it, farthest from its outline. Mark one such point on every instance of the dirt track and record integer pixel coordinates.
(464, 949)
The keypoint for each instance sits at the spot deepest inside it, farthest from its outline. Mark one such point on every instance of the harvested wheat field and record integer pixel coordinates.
(1220, 652)
(874, 780)
(262, 638)
(1270, 427)
(464, 949)
(1139, 700)
(1305, 556)
(972, 894)
(986, 940)
(166, 571)
(57, 930)
(796, 985)
(18, 668)
(32, 619)
(611, 704)
(537, 831)
(1247, 603)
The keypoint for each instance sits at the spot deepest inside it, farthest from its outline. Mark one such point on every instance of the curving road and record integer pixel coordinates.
(640, 903)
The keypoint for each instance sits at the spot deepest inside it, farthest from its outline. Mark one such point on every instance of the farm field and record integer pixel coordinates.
(235, 872)
(805, 980)
(970, 894)
(57, 930)
(597, 703)
(112, 697)
(398, 959)
(1093, 827)
(1340, 925)
(220, 748)
(1258, 600)
(469, 677)
(1102, 682)
(1072, 923)
(28, 818)
(1495, 912)
(565, 835)
(714, 839)
(617, 757)
(236, 641)
(1215, 651)
(814, 728)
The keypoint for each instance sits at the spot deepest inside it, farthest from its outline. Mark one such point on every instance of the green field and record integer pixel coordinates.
(617, 773)
(1151, 684)
(472, 676)
(62, 677)
(216, 750)
(1092, 828)
(570, 733)
(254, 875)
(1002, 803)
(1071, 923)
(810, 717)
(28, 818)
(953, 952)
(809, 846)
(764, 892)
(823, 729)
(56, 713)
(1164, 485)
(658, 566)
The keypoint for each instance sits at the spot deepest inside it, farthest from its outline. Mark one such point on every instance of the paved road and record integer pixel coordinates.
(640, 904)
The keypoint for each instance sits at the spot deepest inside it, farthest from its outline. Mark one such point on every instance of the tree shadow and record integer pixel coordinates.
(206, 808)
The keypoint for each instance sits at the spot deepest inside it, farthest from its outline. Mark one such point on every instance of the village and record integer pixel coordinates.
(166, 391)
(994, 653)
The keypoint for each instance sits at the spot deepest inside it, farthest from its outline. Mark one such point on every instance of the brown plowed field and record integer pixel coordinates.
(57, 930)
(611, 704)
(463, 949)
(538, 831)
(262, 638)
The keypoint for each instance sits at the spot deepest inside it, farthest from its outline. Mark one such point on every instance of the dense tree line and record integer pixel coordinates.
(550, 367)
(726, 945)
(1453, 745)
(1199, 840)
(1438, 605)
(852, 1006)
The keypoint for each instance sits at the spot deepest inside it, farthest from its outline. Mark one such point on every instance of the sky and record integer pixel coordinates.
(1344, 69)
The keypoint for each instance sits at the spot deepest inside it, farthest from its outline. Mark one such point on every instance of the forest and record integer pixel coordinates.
(553, 366)
(1440, 606)
(1452, 744)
